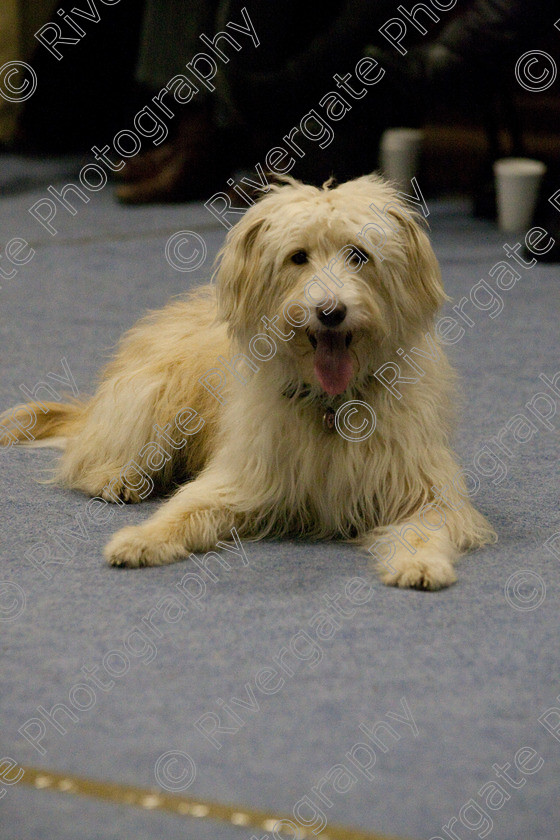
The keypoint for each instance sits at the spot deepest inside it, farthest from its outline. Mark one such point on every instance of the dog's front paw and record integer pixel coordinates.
(134, 547)
(422, 570)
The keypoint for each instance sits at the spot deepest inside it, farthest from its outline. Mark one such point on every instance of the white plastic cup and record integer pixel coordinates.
(399, 154)
(517, 190)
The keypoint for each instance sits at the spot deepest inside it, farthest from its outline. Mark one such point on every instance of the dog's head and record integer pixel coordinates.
(347, 273)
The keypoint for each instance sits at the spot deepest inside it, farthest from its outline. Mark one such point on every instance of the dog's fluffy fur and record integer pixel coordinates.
(262, 462)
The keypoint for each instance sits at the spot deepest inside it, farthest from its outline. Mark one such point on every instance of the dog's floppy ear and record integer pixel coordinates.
(238, 262)
(423, 280)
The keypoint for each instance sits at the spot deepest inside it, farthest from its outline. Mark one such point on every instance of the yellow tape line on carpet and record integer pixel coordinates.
(157, 800)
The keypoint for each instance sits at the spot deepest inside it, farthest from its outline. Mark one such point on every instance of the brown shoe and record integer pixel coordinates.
(186, 168)
(184, 177)
(145, 165)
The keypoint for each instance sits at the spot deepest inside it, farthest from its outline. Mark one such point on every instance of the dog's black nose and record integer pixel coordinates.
(333, 317)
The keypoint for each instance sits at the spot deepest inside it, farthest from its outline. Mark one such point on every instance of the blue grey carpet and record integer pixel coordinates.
(476, 664)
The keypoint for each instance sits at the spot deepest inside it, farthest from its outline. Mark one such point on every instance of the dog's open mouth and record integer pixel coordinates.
(333, 362)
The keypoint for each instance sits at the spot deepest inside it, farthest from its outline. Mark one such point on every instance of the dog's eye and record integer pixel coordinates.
(356, 258)
(299, 258)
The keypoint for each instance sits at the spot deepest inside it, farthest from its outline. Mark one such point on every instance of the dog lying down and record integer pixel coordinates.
(271, 396)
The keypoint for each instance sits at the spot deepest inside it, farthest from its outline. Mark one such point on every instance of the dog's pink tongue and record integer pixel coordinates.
(333, 363)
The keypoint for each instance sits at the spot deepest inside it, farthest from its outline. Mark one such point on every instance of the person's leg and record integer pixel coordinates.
(462, 62)
(170, 38)
(187, 164)
(302, 49)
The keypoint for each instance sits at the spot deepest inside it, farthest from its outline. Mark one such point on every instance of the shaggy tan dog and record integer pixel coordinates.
(305, 392)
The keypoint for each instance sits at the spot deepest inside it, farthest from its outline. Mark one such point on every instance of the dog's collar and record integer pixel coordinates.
(328, 405)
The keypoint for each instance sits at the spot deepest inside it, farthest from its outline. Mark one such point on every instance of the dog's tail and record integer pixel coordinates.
(36, 422)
